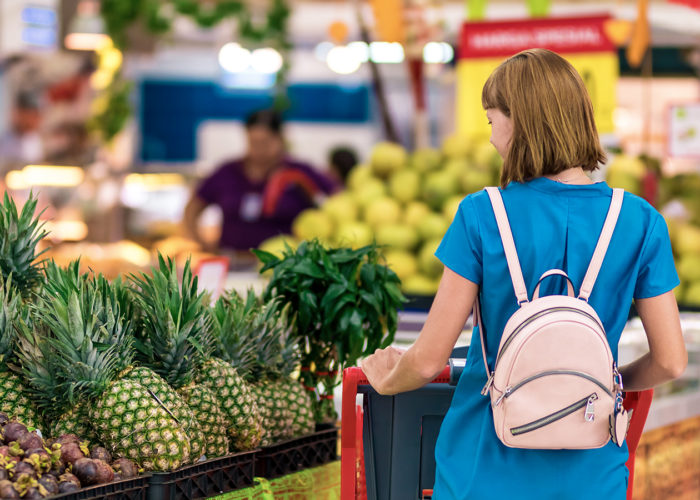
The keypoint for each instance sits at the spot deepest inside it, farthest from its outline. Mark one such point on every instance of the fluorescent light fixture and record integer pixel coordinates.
(46, 175)
(343, 60)
(67, 230)
(361, 50)
(386, 52)
(234, 58)
(266, 60)
(437, 53)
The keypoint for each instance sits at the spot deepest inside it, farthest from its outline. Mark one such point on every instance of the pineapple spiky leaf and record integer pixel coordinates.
(175, 337)
(21, 232)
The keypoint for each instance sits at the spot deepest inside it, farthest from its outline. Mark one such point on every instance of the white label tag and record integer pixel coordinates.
(251, 206)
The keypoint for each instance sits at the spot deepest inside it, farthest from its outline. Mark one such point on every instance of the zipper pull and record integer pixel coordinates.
(486, 388)
(504, 395)
(589, 415)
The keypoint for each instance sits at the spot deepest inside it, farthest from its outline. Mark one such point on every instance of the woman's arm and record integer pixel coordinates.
(193, 210)
(667, 357)
(390, 372)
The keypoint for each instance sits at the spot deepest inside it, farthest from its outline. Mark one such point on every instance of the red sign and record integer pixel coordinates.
(561, 35)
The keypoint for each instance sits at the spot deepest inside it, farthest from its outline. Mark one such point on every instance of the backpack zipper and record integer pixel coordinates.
(589, 414)
(535, 317)
(511, 389)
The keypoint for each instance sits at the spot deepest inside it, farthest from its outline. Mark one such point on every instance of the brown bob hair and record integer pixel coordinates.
(553, 126)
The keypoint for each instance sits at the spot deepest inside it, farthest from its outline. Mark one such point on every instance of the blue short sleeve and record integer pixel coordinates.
(460, 249)
(657, 271)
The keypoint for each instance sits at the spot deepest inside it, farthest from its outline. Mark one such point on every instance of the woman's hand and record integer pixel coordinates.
(378, 367)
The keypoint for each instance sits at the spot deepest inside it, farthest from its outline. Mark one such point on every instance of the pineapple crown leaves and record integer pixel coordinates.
(255, 336)
(10, 302)
(89, 334)
(20, 232)
(37, 365)
(174, 337)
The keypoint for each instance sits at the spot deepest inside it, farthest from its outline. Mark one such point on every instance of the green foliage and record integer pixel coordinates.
(109, 122)
(174, 337)
(345, 304)
(76, 339)
(254, 336)
(20, 232)
(10, 302)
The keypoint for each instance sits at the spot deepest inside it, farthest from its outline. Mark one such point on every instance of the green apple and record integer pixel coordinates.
(381, 211)
(428, 264)
(402, 263)
(341, 207)
(399, 236)
(438, 187)
(371, 190)
(426, 159)
(387, 158)
(433, 226)
(353, 234)
(414, 212)
(313, 223)
(420, 284)
(404, 186)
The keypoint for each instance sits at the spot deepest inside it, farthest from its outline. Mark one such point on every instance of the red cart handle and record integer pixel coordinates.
(353, 377)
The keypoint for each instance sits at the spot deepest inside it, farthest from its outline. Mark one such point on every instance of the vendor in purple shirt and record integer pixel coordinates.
(259, 194)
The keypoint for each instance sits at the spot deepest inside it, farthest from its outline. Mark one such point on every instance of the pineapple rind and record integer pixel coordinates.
(152, 438)
(211, 418)
(237, 402)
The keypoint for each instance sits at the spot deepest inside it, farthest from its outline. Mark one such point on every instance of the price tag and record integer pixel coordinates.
(211, 275)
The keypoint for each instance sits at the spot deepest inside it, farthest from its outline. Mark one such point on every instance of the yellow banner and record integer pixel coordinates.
(599, 71)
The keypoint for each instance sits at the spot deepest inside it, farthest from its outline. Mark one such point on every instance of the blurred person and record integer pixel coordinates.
(542, 125)
(22, 144)
(341, 161)
(259, 194)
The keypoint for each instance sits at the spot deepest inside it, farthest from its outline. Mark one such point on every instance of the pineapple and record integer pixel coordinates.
(19, 234)
(13, 394)
(297, 398)
(236, 400)
(91, 345)
(255, 339)
(174, 341)
(20, 274)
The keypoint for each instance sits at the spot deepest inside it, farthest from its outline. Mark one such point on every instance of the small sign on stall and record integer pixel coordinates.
(211, 275)
(684, 131)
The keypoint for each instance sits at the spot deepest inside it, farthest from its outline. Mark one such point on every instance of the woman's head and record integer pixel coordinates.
(265, 141)
(541, 98)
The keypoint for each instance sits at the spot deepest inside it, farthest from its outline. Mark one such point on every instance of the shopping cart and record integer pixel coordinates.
(388, 442)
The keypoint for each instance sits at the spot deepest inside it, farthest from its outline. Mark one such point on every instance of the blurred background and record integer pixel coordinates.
(115, 111)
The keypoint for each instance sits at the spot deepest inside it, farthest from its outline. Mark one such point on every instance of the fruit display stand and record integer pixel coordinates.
(127, 489)
(204, 479)
(398, 435)
(298, 454)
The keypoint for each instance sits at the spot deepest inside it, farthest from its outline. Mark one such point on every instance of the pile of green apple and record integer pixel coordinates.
(682, 211)
(403, 201)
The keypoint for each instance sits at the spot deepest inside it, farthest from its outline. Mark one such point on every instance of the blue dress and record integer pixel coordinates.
(554, 226)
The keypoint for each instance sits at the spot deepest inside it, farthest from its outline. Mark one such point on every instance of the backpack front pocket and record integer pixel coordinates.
(587, 403)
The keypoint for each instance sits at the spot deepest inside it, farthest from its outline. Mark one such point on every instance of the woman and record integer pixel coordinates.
(542, 125)
(259, 194)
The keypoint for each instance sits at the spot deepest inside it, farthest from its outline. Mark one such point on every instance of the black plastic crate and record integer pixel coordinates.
(204, 479)
(127, 489)
(297, 454)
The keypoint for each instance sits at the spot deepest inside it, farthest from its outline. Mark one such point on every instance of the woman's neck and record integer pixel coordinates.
(573, 175)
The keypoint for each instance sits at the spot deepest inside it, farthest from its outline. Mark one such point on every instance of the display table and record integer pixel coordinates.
(319, 483)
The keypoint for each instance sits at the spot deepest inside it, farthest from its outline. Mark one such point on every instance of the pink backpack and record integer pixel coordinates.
(555, 384)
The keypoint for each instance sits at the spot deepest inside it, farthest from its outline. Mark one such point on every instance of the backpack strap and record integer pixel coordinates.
(602, 246)
(516, 273)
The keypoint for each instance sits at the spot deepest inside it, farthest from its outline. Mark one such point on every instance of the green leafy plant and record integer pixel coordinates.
(345, 303)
